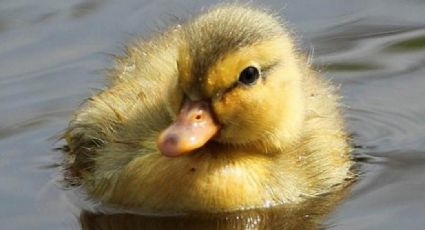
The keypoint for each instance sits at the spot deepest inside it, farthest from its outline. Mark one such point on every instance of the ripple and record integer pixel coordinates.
(376, 51)
(414, 43)
(386, 51)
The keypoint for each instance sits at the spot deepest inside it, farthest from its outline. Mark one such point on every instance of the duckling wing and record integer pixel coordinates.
(129, 114)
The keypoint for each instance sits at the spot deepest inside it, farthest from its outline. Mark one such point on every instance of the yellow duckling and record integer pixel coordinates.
(218, 114)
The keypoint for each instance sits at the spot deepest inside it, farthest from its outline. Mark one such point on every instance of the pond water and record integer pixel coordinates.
(52, 53)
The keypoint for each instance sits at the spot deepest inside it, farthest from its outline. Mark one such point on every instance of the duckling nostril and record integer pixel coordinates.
(198, 117)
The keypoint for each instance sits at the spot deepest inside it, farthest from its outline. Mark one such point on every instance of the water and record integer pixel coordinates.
(52, 54)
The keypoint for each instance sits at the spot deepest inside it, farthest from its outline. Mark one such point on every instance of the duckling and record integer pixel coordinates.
(219, 114)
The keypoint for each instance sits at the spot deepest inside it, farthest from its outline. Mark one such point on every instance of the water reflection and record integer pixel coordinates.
(85, 8)
(374, 49)
(415, 43)
(307, 215)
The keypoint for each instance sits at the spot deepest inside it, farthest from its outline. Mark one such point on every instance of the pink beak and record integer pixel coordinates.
(194, 127)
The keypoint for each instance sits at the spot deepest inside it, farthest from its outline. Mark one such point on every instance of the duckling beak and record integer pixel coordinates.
(193, 128)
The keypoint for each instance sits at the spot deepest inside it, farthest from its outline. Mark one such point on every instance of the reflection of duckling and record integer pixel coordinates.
(306, 215)
(240, 119)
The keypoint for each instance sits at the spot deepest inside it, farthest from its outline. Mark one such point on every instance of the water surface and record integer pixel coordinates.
(52, 54)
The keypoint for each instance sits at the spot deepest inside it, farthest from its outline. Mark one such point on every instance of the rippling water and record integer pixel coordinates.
(52, 54)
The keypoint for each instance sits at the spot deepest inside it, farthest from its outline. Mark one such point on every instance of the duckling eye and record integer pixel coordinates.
(249, 75)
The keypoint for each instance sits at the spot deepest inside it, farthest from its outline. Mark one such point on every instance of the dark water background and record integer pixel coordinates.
(52, 53)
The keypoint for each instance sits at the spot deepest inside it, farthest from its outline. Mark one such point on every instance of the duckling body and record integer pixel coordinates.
(275, 134)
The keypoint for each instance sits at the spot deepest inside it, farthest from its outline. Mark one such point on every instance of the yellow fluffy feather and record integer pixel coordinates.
(281, 140)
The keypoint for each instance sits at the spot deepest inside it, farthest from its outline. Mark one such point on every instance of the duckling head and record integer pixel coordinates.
(239, 84)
